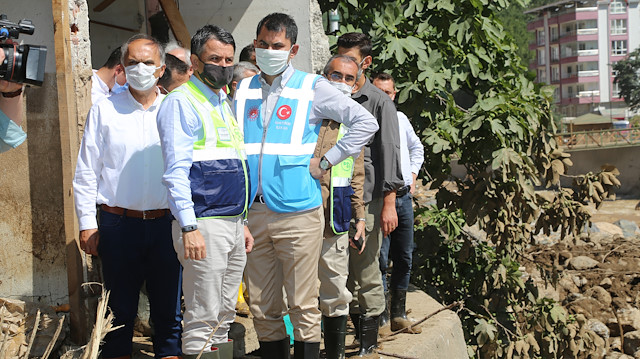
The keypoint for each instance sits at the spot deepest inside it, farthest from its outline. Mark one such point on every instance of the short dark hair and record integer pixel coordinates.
(358, 40)
(276, 22)
(208, 32)
(343, 58)
(156, 43)
(383, 76)
(241, 68)
(114, 58)
(245, 54)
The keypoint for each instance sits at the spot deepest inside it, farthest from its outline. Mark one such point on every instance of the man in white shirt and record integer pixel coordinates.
(120, 170)
(399, 243)
(108, 79)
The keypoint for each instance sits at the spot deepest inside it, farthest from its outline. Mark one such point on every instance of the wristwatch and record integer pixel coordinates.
(189, 228)
(361, 220)
(324, 164)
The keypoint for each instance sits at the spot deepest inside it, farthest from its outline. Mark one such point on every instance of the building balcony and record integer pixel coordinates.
(589, 94)
(576, 99)
(589, 31)
(588, 73)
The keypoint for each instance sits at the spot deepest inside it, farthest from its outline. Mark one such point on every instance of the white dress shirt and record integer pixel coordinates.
(120, 160)
(99, 89)
(411, 149)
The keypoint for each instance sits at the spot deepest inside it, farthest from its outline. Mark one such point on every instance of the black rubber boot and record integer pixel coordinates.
(306, 350)
(278, 349)
(355, 320)
(384, 317)
(335, 332)
(368, 335)
(398, 312)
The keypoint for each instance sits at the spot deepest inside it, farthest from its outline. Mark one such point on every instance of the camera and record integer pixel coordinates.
(22, 63)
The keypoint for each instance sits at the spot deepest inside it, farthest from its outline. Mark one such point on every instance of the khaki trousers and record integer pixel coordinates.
(365, 281)
(210, 285)
(285, 253)
(333, 270)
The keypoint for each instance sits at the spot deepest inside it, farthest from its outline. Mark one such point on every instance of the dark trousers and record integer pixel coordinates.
(134, 251)
(398, 247)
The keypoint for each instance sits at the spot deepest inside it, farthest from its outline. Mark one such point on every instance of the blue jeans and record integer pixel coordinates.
(132, 251)
(398, 247)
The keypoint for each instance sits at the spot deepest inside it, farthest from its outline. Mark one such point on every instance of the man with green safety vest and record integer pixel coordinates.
(342, 192)
(207, 178)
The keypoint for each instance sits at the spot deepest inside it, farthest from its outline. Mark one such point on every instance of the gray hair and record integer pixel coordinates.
(241, 68)
(343, 58)
(173, 46)
(156, 43)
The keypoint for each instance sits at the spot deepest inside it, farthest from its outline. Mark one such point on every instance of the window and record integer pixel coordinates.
(618, 26)
(542, 76)
(541, 37)
(555, 74)
(553, 33)
(619, 47)
(542, 58)
(615, 90)
(555, 54)
(580, 88)
(569, 70)
(618, 6)
(570, 91)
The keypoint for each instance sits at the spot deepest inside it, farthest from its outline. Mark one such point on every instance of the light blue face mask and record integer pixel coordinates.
(117, 88)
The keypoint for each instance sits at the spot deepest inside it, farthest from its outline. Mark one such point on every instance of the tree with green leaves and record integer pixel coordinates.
(461, 81)
(628, 78)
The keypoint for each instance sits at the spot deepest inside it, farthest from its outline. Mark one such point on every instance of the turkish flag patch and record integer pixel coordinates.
(284, 112)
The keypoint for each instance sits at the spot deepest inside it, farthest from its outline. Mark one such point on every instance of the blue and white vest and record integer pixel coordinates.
(218, 176)
(279, 155)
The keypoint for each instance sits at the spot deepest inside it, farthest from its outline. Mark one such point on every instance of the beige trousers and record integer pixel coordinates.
(285, 253)
(210, 285)
(365, 280)
(333, 270)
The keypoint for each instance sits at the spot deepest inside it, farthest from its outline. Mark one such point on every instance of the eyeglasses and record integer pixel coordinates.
(338, 76)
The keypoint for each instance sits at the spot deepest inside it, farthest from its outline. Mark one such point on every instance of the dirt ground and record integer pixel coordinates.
(608, 291)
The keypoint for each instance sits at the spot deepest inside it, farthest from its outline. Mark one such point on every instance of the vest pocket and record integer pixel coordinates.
(294, 177)
(342, 208)
(217, 188)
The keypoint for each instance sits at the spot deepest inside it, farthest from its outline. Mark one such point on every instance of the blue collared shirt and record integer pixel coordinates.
(179, 127)
(11, 135)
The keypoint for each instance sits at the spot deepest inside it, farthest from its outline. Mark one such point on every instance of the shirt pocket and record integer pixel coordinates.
(294, 178)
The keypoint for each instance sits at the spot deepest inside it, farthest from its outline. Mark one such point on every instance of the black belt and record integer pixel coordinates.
(403, 191)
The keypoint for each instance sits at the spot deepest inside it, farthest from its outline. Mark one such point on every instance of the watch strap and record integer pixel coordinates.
(189, 228)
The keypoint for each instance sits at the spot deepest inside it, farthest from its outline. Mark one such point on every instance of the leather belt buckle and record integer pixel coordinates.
(261, 199)
(144, 215)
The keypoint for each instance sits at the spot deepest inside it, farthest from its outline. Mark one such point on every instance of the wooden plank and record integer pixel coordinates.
(68, 113)
(103, 5)
(176, 22)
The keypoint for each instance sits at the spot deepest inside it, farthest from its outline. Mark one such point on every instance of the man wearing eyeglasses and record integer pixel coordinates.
(342, 189)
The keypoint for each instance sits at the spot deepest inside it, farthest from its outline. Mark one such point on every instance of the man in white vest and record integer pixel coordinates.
(281, 111)
(206, 175)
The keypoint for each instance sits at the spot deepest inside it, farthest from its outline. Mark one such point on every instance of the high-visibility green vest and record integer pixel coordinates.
(219, 153)
(340, 191)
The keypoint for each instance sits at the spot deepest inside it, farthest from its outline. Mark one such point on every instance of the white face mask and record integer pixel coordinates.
(141, 76)
(272, 62)
(343, 87)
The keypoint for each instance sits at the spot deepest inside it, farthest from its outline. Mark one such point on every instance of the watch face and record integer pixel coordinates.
(324, 164)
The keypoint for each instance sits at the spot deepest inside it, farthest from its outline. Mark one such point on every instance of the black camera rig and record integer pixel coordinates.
(22, 63)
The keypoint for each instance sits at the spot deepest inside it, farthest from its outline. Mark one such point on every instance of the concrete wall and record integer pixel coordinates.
(240, 17)
(624, 158)
(32, 251)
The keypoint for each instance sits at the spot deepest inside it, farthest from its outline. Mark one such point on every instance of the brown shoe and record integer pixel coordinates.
(399, 318)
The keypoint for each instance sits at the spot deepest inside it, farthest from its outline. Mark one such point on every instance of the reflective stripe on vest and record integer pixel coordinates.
(217, 154)
(279, 151)
(341, 175)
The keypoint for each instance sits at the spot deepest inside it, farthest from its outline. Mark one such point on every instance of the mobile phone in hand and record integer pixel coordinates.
(358, 242)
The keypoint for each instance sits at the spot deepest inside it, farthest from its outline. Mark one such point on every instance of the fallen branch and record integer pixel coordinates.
(394, 355)
(448, 307)
(52, 343)
(213, 331)
(33, 335)
(104, 325)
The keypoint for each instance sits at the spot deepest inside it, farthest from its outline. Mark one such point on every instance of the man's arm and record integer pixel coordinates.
(85, 182)
(416, 149)
(330, 103)
(357, 201)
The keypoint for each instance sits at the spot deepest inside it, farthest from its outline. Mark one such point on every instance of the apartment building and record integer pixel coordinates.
(576, 42)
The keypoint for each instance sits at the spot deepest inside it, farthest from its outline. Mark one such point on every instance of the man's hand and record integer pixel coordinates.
(89, 239)
(248, 240)
(194, 247)
(389, 216)
(314, 168)
(359, 234)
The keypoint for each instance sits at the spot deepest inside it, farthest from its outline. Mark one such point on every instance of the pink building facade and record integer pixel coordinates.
(576, 42)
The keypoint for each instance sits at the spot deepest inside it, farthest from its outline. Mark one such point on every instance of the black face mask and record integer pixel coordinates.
(216, 76)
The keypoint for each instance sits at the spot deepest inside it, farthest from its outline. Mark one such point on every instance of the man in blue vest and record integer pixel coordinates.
(281, 111)
(207, 177)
